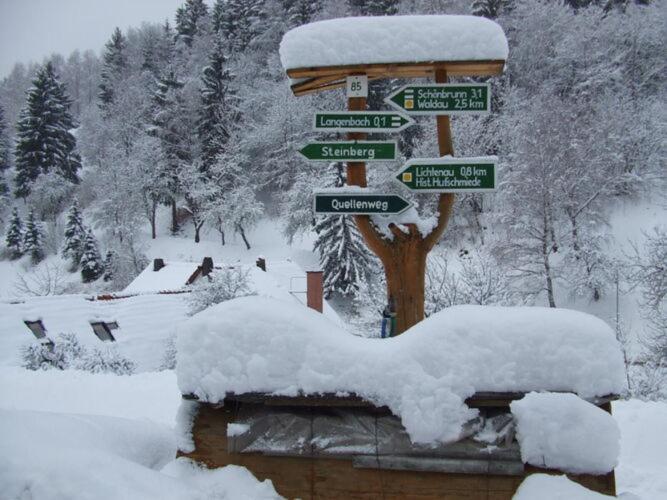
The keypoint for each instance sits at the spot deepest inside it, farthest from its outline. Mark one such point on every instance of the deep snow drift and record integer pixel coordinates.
(256, 344)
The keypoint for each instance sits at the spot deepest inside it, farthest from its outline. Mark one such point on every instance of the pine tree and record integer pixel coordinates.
(109, 265)
(33, 239)
(75, 235)
(44, 141)
(113, 68)
(488, 8)
(301, 12)
(4, 154)
(374, 7)
(215, 115)
(217, 15)
(242, 22)
(343, 254)
(189, 18)
(91, 262)
(14, 235)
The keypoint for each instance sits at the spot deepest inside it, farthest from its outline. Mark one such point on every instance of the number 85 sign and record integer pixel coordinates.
(357, 86)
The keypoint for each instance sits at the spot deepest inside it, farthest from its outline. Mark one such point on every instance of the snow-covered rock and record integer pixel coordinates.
(564, 432)
(387, 39)
(257, 344)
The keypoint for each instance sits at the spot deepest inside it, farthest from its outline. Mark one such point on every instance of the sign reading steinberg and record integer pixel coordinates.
(449, 175)
(442, 99)
(359, 204)
(350, 151)
(361, 121)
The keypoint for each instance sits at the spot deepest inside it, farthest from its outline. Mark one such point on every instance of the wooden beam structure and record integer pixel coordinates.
(317, 79)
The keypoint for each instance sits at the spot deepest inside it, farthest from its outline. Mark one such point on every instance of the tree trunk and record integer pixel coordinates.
(153, 221)
(239, 228)
(545, 260)
(174, 217)
(404, 258)
(198, 226)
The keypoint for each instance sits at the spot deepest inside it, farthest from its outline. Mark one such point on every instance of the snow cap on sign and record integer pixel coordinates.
(393, 39)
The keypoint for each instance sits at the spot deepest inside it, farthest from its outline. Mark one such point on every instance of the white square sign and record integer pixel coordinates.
(357, 86)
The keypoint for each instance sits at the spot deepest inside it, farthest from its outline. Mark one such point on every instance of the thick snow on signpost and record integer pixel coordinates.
(257, 344)
(395, 39)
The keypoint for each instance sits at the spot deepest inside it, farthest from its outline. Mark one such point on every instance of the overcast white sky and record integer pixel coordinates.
(33, 29)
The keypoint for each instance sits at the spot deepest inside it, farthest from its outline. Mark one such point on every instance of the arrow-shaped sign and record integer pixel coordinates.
(449, 175)
(350, 151)
(442, 99)
(360, 203)
(361, 121)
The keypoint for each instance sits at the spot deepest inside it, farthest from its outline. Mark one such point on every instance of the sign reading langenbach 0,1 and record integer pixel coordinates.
(449, 175)
(361, 121)
(360, 203)
(350, 151)
(442, 99)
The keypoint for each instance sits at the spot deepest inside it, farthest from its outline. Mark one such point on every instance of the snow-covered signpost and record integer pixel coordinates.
(348, 52)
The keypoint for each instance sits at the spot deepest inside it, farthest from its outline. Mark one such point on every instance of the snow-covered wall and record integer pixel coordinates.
(257, 344)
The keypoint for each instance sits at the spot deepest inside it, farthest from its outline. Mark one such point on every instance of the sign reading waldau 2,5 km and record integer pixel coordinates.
(350, 151)
(360, 204)
(442, 99)
(449, 175)
(361, 121)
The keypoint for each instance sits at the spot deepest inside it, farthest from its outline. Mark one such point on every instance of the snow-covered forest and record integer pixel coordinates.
(189, 128)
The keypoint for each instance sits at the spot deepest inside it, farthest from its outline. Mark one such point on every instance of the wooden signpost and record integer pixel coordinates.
(404, 256)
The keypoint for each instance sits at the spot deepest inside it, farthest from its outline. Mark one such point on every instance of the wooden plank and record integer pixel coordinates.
(390, 70)
(449, 465)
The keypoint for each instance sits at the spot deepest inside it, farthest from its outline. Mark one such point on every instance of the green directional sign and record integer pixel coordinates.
(350, 151)
(449, 175)
(361, 121)
(360, 204)
(442, 99)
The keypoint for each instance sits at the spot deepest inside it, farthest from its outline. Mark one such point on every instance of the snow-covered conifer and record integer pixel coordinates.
(114, 65)
(44, 141)
(301, 12)
(216, 114)
(109, 265)
(188, 19)
(343, 254)
(5, 155)
(14, 235)
(242, 22)
(374, 7)
(75, 235)
(33, 239)
(488, 8)
(91, 262)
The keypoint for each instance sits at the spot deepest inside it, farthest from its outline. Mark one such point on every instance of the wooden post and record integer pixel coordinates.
(314, 290)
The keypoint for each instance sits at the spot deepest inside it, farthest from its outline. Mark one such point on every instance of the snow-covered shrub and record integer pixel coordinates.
(45, 279)
(169, 357)
(67, 352)
(221, 285)
(61, 354)
(106, 360)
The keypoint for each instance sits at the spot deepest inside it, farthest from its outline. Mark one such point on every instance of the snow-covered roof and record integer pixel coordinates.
(256, 344)
(145, 322)
(173, 276)
(393, 39)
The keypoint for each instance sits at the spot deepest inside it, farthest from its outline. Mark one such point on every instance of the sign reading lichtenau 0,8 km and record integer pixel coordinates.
(442, 99)
(449, 175)
(361, 121)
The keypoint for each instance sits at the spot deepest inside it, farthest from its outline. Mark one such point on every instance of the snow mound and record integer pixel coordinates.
(393, 39)
(564, 432)
(258, 344)
(62, 456)
(546, 487)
